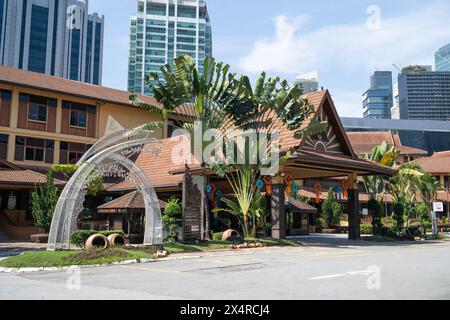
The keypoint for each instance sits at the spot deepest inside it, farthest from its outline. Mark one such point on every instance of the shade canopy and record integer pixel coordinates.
(133, 201)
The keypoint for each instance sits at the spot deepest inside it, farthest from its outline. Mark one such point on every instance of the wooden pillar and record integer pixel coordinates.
(354, 218)
(278, 209)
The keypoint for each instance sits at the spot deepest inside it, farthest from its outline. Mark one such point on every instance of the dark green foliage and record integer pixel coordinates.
(398, 209)
(172, 213)
(375, 210)
(79, 237)
(43, 202)
(366, 229)
(218, 236)
(331, 210)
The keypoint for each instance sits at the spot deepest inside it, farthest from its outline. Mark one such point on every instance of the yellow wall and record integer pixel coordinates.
(128, 116)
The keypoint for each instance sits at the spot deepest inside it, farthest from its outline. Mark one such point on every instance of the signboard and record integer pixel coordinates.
(365, 211)
(438, 206)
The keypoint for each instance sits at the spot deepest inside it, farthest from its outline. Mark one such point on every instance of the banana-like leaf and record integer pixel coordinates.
(313, 129)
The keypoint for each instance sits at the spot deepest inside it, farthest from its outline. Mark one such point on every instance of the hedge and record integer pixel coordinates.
(218, 236)
(366, 229)
(80, 237)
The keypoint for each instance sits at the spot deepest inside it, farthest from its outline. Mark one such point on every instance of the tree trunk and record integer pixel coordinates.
(206, 235)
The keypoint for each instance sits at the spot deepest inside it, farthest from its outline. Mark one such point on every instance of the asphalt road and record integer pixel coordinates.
(325, 268)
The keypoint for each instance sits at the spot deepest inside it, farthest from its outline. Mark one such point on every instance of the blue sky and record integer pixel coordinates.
(345, 40)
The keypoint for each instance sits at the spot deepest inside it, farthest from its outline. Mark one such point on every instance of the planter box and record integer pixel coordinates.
(39, 238)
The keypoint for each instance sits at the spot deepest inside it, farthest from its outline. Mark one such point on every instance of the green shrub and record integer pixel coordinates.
(218, 236)
(366, 229)
(79, 238)
(172, 212)
(388, 222)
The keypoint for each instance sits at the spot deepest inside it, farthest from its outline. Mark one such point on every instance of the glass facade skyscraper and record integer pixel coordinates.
(443, 59)
(378, 100)
(424, 95)
(163, 30)
(55, 37)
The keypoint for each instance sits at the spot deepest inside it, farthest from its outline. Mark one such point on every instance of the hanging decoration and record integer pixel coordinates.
(318, 191)
(260, 184)
(213, 196)
(288, 181)
(345, 185)
(295, 189)
(219, 197)
(268, 181)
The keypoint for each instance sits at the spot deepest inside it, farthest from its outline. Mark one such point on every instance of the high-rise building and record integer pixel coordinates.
(308, 82)
(424, 94)
(55, 37)
(163, 30)
(442, 57)
(378, 100)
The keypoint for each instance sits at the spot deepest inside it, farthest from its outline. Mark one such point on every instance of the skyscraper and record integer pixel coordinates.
(308, 82)
(163, 30)
(442, 57)
(55, 37)
(378, 100)
(424, 94)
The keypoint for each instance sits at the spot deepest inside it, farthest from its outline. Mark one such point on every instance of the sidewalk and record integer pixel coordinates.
(8, 249)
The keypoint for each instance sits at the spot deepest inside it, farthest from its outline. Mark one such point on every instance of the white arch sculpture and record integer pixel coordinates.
(109, 148)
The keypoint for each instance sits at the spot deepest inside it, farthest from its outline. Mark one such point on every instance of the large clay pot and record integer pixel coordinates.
(97, 241)
(116, 240)
(230, 234)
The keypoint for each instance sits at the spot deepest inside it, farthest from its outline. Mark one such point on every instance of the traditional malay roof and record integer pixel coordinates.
(331, 150)
(438, 163)
(131, 201)
(11, 174)
(364, 142)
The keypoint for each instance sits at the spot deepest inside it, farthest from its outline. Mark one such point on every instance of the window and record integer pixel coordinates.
(34, 154)
(71, 153)
(31, 149)
(3, 146)
(78, 119)
(37, 112)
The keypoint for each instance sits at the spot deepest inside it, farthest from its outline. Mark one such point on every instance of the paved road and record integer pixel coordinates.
(325, 268)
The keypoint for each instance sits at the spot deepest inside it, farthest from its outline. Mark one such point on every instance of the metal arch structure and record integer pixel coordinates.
(109, 148)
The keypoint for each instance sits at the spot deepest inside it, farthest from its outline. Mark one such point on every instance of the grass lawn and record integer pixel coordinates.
(377, 239)
(45, 259)
(221, 245)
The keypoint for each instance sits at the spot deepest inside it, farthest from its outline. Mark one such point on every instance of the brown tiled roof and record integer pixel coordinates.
(338, 162)
(40, 81)
(364, 142)
(132, 200)
(286, 136)
(23, 177)
(299, 205)
(159, 168)
(439, 163)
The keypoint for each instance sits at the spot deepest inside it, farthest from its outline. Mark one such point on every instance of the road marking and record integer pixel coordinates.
(339, 275)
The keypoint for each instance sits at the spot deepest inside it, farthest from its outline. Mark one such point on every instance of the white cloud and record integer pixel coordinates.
(411, 38)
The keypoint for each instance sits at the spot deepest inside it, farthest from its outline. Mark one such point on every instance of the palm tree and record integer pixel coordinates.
(221, 100)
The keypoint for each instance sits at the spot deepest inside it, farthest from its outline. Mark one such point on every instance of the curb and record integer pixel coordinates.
(71, 268)
(127, 262)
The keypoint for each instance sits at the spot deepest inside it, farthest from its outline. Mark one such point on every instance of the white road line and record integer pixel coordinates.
(328, 277)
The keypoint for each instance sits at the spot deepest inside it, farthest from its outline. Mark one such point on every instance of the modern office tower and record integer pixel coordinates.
(55, 37)
(424, 94)
(395, 110)
(163, 30)
(309, 82)
(442, 57)
(378, 100)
